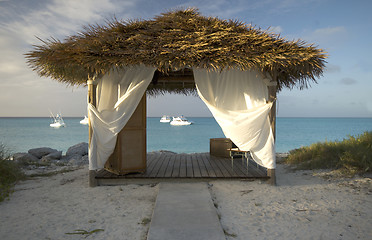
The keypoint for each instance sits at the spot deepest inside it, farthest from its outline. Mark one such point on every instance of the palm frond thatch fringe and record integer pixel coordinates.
(174, 41)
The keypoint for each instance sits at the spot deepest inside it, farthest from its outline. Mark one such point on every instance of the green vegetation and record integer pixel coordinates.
(229, 234)
(10, 173)
(85, 232)
(350, 156)
(48, 174)
(145, 221)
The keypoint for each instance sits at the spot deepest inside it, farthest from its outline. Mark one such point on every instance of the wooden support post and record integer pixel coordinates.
(92, 178)
(272, 177)
(272, 116)
(92, 100)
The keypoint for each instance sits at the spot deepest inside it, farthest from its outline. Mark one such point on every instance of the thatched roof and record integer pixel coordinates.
(175, 41)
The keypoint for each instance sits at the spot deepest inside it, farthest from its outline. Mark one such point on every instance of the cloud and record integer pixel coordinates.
(60, 18)
(20, 22)
(329, 36)
(230, 9)
(56, 18)
(81, 11)
(276, 29)
(348, 81)
(369, 106)
(331, 68)
(219, 8)
(329, 31)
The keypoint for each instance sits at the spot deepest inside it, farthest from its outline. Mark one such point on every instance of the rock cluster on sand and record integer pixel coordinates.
(45, 157)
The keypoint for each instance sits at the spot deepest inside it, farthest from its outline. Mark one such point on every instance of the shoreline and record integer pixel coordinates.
(21, 135)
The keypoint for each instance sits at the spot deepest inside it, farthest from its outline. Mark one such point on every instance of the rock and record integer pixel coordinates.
(85, 159)
(41, 152)
(166, 151)
(72, 158)
(65, 181)
(44, 160)
(78, 149)
(52, 156)
(79, 160)
(55, 155)
(24, 157)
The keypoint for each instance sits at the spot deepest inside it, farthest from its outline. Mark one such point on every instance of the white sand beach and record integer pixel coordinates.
(302, 206)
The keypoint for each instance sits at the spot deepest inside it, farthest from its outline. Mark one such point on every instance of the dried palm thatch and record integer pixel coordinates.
(175, 41)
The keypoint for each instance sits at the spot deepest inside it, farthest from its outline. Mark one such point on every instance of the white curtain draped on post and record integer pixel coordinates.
(118, 95)
(238, 102)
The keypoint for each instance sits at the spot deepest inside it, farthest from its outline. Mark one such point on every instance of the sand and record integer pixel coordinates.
(50, 207)
(302, 206)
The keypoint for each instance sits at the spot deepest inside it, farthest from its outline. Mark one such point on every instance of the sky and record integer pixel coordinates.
(342, 28)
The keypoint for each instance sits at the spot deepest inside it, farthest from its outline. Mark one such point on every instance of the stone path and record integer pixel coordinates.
(185, 211)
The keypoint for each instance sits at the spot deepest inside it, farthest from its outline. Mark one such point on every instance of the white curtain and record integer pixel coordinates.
(118, 95)
(238, 102)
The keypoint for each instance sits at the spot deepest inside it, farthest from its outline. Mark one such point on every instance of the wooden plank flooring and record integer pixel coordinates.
(191, 166)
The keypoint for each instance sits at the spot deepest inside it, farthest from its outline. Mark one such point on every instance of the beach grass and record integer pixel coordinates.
(351, 156)
(10, 173)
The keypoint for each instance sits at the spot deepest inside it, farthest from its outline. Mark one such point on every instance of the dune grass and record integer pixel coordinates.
(10, 173)
(350, 156)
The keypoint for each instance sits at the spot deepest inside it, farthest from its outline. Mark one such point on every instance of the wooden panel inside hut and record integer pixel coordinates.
(130, 149)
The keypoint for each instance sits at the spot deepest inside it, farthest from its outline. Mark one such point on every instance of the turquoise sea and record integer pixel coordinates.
(21, 134)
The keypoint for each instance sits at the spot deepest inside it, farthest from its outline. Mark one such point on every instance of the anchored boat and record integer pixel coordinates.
(57, 121)
(165, 119)
(85, 121)
(180, 121)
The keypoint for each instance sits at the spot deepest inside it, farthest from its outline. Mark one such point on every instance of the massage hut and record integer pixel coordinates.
(235, 68)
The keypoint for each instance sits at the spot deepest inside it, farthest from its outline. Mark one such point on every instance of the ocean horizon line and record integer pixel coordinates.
(168, 115)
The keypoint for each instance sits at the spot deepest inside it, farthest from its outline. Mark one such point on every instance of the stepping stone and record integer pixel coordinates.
(185, 211)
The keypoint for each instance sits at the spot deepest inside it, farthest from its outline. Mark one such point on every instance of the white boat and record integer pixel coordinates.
(165, 119)
(180, 121)
(85, 121)
(57, 121)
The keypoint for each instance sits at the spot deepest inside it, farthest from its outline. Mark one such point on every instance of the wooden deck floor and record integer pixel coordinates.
(189, 166)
